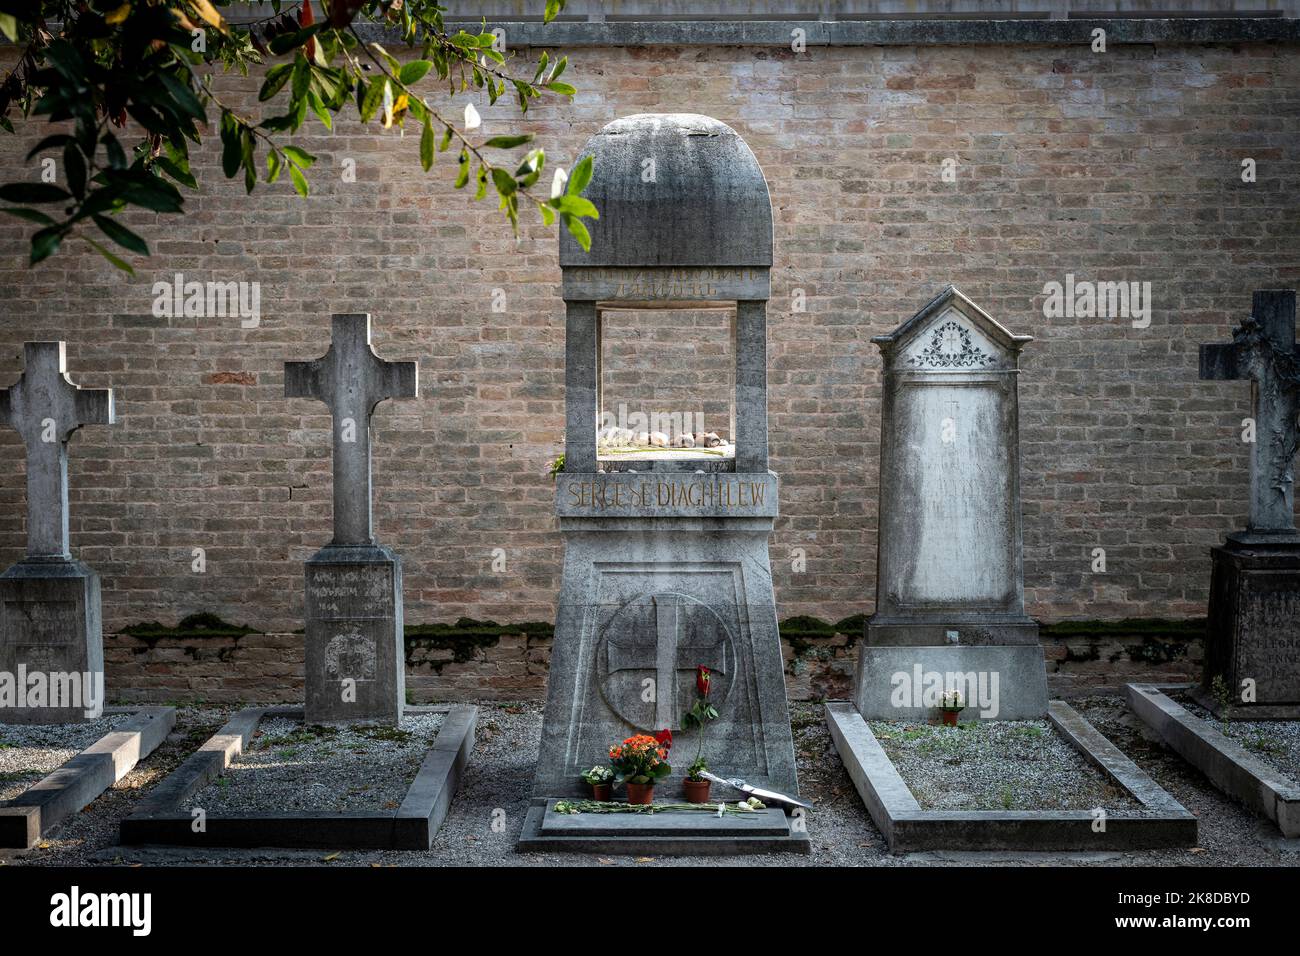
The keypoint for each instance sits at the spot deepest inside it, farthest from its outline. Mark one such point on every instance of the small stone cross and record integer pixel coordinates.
(45, 408)
(352, 380)
(1264, 350)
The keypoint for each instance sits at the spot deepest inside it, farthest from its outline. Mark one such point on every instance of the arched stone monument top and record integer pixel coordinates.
(674, 189)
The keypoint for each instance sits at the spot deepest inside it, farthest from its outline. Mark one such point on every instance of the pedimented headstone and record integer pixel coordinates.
(950, 580)
(355, 655)
(51, 632)
(1253, 641)
(666, 560)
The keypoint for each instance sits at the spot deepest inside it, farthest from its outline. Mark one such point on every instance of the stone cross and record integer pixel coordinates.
(1264, 350)
(667, 658)
(351, 379)
(45, 408)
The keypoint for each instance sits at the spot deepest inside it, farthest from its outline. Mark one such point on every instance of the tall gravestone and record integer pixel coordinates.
(50, 615)
(950, 581)
(666, 561)
(1253, 641)
(355, 656)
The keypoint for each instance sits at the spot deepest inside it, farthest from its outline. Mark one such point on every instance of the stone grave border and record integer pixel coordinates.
(1161, 823)
(36, 811)
(663, 834)
(161, 820)
(1229, 766)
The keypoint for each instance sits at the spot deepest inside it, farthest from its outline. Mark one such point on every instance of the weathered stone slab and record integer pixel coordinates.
(678, 833)
(998, 682)
(39, 809)
(1162, 822)
(625, 495)
(665, 286)
(412, 826)
(1227, 764)
(355, 659)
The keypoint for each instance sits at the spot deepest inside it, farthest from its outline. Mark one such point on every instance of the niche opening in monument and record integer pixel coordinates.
(667, 388)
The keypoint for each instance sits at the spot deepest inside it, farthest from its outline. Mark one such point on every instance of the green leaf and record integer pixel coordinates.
(74, 169)
(578, 231)
(553, 8)
(33, 192)
(299, 157)
(461, 178)
(120, 263)
(274, 165)
(231, 147)
(31, 215)
(426, 146)
(446, 140)
(299, 180)
(509, 142)
(291, 41)
(374, 96)
(559, 68)
(9, 26)
(579, 178)
(276, 77)
(184, 96)
(414, 71)
(44, 243)
(564, 89)
(123, 236)
(504, 182)
(548, 214)
(575, 206)
(59, 139)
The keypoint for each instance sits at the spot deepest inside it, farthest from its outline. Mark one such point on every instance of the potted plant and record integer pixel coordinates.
(600, 779)
(639, 761)
(695, 786)
(951, 704)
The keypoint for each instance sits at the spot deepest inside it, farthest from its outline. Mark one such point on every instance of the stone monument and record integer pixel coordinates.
(50, 615)
(1253, 640)
(666, 560)
(355, 670)
(950, 581)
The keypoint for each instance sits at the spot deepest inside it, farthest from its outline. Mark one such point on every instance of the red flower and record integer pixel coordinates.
(703, 678)
(664, 738)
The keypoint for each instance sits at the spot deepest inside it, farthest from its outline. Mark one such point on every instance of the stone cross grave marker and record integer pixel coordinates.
(355, 656)
(1253, 636)
(50, 617)
(1264, 351)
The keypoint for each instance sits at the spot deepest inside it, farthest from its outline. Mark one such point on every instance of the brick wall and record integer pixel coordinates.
(1116, 166)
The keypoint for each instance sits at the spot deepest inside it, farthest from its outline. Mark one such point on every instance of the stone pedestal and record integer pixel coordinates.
(50, 625)
(1254, 626)
(643, 602)
(355, 649)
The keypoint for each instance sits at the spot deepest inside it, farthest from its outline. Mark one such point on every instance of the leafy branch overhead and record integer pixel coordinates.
(144, 67)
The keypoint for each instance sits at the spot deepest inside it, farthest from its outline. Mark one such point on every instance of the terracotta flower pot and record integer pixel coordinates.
(640, 793)
(697, 791)
(950, 718)
(599, 791)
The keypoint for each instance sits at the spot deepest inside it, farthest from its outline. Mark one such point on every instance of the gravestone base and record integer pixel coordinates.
(354, 633)
(892, 677)
(675, 832)
(50, 623)
(1254, 626)
(632, 590)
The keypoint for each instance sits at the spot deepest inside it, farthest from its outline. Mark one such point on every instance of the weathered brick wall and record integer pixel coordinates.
(486, 662)
(1122, 166)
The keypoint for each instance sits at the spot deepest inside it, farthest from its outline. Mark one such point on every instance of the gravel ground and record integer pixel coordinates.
(289, 766)
(487, 814)
(996, 765)
(29, 752)
(1276, 742)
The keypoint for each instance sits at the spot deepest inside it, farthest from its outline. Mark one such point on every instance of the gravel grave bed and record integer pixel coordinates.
(996, 765)
(290, 766)
(30, 752)
(1276, 742)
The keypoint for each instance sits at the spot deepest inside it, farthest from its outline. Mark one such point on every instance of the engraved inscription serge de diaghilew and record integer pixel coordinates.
(349, 592)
